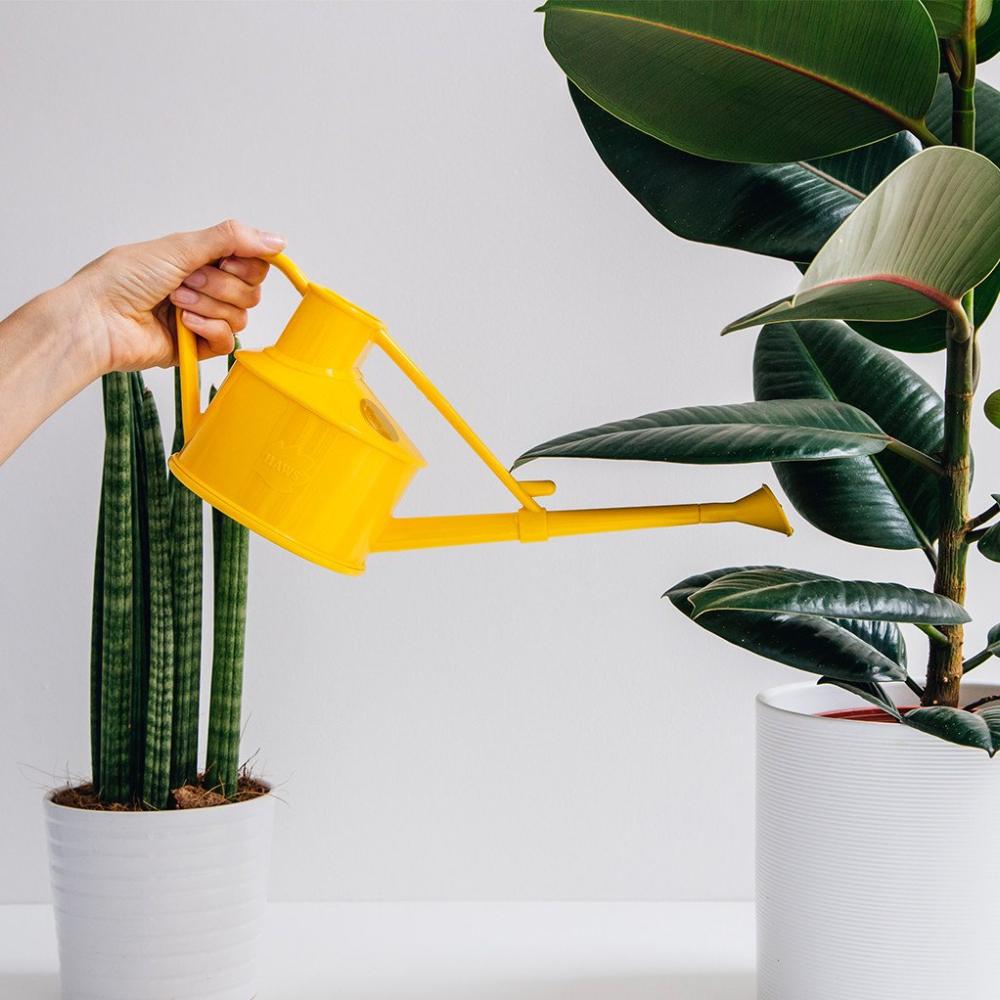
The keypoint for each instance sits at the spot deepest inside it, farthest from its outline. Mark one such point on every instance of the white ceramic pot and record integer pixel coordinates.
(878, 856)
(160, 905)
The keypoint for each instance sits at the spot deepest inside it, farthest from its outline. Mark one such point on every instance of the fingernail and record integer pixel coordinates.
(229, 266)
(273, 241)
(185, 296)
(196, 280)
(191, 319)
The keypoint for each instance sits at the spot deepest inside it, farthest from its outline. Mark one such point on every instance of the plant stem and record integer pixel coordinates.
(987, 515)
(945, 667)
(934, 634)
(980, 658)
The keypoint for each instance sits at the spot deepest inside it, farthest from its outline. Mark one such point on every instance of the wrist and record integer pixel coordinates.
(71, 313)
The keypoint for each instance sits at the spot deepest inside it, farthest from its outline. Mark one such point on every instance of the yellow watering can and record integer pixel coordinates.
(297, 448)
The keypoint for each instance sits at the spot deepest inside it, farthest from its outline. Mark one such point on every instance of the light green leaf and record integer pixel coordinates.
(884, 500)
(927, 333)
(762, 81)
(926, 235)
(992, 407)
(785, 591)
(949, 15)
(776, 431)
(980, 729)
(856, 651)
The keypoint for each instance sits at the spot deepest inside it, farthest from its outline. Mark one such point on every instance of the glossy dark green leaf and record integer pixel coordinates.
(778, 431)
(783, 210)
(857, 651)
(884, 636)
(872, 692)
(884, 501)
(955, 725)
(989, 544)
(751, 81)
(988, 37)
(785, 591)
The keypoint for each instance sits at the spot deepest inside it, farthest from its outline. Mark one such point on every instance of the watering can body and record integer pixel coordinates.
(296, 447)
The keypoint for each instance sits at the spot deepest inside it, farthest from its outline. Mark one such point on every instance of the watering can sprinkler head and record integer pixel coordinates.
(297, 448)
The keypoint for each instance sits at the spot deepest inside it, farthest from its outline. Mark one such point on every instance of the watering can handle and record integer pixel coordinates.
(520, 491)
(187, 349)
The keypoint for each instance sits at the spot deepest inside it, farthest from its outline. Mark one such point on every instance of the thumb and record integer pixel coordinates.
(189, 251)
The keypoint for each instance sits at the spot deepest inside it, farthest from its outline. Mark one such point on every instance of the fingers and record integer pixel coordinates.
(207, 307)
(224, 284)
(215, 300)
(215, 336)
(252, 270)
(228, 239)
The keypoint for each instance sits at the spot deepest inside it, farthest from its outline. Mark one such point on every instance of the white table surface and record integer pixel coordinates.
(461, 951)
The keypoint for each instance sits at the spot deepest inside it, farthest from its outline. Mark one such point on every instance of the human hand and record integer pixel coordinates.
(126, 297)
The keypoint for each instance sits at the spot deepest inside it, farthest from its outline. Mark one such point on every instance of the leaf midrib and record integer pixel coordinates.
(830, 179)
(783, 585)
(941, 299)
(835, 431)
(911, 124)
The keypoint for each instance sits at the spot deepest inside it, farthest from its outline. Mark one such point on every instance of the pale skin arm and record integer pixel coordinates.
(116, 314)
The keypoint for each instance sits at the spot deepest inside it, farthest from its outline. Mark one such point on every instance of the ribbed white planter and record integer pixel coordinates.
(160, 905)
(878, 856)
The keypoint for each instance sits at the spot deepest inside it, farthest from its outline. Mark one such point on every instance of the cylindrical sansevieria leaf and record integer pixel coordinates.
(96, 646)
(186, 565)
(112, 778)
(160, 655)
(230, 547)
(140, 594)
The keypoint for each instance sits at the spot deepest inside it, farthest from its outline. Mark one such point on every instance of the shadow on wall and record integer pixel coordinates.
(29, 986)
(692, 985)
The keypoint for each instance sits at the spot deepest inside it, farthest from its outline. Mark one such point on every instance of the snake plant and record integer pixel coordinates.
(853, 141)
(147, 617)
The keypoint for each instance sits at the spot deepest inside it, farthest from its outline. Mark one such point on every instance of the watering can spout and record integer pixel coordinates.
(760, 509)
(297, 448)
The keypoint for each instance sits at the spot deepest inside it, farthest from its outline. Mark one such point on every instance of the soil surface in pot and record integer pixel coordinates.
(185, 797)
(864, 714)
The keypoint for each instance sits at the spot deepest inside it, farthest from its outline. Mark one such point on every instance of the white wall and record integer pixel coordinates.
(501, 722)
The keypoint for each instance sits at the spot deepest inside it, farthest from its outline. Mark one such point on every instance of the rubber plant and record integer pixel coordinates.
(854, 141)
(147, 619)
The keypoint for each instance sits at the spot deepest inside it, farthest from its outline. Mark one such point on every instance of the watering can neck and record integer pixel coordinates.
(327, 333)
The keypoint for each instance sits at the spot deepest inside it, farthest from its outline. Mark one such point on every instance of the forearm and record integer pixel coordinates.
(47, 355)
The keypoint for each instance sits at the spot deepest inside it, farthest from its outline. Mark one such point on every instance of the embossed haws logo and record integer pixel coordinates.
(285, 468)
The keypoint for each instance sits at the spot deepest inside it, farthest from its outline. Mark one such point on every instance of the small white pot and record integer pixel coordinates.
(160, 905)
(878, 855)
